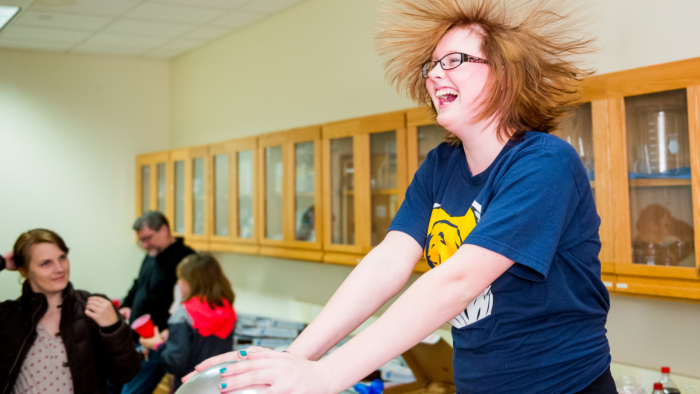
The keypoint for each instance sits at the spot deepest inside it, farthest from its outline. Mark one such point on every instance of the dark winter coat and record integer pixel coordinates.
(94, 354)
(152, 291)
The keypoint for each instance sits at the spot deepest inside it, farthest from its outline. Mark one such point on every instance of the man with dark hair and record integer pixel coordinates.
(152, 291)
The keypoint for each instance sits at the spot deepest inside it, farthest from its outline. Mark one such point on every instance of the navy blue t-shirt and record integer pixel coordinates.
(540, 327)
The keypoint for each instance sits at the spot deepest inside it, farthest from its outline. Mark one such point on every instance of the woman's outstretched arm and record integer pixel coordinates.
(381, 275)
(435, 298)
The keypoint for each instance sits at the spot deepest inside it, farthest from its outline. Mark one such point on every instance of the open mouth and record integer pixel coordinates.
(446, 95)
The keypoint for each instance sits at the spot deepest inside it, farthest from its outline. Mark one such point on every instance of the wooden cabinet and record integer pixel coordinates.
(652, 142)
(365, 178)
(189, 189)
(328, 193)
(290, 194)
(152, 179)
(234, 196)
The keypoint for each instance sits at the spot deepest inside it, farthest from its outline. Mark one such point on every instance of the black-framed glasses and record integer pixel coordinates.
(450, 61)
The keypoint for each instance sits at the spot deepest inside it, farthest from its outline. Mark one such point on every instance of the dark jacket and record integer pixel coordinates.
(197, 332)
(94, 354)
(152, 291)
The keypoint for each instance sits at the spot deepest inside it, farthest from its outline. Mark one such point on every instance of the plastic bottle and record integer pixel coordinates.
(658, 388)
(668, 386)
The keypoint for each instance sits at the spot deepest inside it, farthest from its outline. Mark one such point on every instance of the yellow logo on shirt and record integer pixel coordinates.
(446, 234)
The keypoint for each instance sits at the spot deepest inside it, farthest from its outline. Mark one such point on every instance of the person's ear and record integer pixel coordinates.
(23, 271)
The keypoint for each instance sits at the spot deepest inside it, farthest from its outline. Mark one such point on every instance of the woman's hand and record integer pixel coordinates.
(9, 261)
(125, 312)
(230, 356)
(282, 372)
(101, 310)
(152, 342)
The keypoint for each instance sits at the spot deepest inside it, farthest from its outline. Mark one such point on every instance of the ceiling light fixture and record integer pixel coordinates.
(6, 14)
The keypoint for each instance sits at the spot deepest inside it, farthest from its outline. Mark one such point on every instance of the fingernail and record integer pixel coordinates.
(243, 353)
(222, 370)
(223, 385)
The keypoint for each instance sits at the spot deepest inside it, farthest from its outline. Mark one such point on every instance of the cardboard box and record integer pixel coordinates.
(431, 364)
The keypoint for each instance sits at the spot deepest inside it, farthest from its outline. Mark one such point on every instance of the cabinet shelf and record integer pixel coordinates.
(659, 182)
(384, 191)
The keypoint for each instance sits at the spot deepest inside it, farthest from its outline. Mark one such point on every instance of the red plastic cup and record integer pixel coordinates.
(117, 302)
(144, 326)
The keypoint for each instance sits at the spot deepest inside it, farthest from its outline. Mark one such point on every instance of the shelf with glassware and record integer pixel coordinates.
(233, 196)
(290, 194)
(653, 135)
(364, 178)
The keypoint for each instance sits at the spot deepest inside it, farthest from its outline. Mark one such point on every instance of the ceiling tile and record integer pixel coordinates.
(174, 13)
(39, 34)
(269, 6)
(125, 41)
(44, 46)
(94, 7)
(161, 55)
(207, 33)
(181, 45)
(223, 4)
(69, 21)
(146, 28)
(114, 51)
(16, 3)
(237, 19)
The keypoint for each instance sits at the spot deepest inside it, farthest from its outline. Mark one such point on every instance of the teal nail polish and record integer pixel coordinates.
(244, 353)
(222, 370)
(223, 385)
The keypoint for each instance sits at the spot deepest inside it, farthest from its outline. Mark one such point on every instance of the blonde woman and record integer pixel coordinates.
(503, 212)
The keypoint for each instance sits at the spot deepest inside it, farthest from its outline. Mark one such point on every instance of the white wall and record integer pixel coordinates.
(316, 62)
(70, 128)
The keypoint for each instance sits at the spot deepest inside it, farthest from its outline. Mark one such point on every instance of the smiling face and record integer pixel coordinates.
(48, 270)
(456, 92)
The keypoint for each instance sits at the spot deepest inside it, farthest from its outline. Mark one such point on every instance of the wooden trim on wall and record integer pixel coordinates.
(601, 144)
(694, 139)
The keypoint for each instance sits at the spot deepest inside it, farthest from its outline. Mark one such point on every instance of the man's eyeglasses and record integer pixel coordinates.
(450, 61)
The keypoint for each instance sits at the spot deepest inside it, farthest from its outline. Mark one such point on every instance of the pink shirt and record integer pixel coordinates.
(43, 369)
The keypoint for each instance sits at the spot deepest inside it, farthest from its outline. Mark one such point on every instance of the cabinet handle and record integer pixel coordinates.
(622, 285)
(608, 284)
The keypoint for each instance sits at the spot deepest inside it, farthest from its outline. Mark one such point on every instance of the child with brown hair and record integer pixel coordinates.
(202, 326)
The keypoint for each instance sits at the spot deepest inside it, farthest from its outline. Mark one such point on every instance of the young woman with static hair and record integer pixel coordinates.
(202, 327)
(56, 338)
(502, 211)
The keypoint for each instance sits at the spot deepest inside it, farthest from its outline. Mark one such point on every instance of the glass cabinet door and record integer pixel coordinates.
(304, 192)
(231, 208)
(428, 138)
(658, 164)
(342, 191)
(221, 193)
(577, 129)
(161, 178)
(365, 183)
(383, 183)
(246, 186)
(198, 191)
(179, 209)
(152, 183)
(273, 193)
(145, 188)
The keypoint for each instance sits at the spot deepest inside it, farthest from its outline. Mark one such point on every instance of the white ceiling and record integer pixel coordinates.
(153, 29)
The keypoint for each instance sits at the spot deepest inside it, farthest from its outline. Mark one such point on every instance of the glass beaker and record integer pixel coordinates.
(662, 139)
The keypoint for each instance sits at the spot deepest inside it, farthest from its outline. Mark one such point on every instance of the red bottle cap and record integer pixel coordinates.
(658, 386)
(665, 370)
